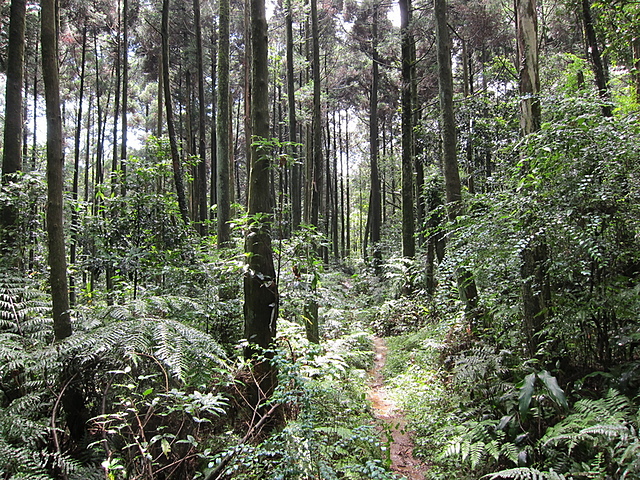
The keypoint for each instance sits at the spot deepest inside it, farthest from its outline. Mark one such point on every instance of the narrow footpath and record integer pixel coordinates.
(392, 421)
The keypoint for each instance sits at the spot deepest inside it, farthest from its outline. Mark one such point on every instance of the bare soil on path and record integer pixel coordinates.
(392, 420)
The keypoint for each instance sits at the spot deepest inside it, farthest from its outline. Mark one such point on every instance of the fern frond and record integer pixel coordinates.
(524, 473)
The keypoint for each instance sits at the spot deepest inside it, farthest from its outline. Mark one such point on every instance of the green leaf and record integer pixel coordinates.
(555, 392)
(166, 446)
(526, 393)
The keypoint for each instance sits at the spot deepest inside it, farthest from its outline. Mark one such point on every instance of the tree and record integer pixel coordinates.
(223, 157)
(125, 93)
(55, 178)
(13, 121)
(466, 283)
(375, 207)
(171, 129)
(296, 180)
(596, 59)
(408, 143)
(534, 256)
(201, 183)
(529, 79)
(260, 287)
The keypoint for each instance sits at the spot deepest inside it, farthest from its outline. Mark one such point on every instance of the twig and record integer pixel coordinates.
(216, 473)
(54, 432)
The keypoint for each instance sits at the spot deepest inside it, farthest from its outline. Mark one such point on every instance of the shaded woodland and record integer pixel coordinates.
(209, 210)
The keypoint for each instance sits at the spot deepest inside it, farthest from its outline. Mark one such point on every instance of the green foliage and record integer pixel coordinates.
(328, 433)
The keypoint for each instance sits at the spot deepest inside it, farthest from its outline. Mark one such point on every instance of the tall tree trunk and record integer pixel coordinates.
(116, 106)
(34, 139)
(534, 256)
(55, 178)
(13, 120)
(202, 125)
(76, 171)
(317, 181)
(175, 154)
(529, 80)
(260, 288)
(223, 125)
(213, 193)
(375, 218)
(594, 50)
(466, 282)
(248, 132)
(315, 166)
(159, 124)
(125, 93)
(296, 174)
(408, 222)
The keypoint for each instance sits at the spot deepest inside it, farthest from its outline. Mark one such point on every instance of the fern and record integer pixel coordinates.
(523, 473)
(606, 431)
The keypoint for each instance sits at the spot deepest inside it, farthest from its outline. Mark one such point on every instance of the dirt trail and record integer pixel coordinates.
(392, 420)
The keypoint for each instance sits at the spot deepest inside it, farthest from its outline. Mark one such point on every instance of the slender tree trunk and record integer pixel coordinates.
(13, 120)
(375, 221)
(296, 174)
(55, 178)
(317, 181)
(408, 222)
(348, 197)
(248, 132)
(213, 192)
(202, 125)
(160, 122)
(99, 174)
(125, 93)
(636, 68)
(596, 59)
(34, 140)
(260, 288)
(116, 106)
(223, 125)
(76, 170)
(175, 154)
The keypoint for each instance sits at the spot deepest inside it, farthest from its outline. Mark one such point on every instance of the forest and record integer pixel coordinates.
(302, 240)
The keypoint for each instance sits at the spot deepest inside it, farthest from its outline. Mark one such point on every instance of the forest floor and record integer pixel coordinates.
(392, 420)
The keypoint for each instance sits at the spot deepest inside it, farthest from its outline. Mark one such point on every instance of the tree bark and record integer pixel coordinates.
(202, 126)
(125, 93)
(529, 80)
(375, 221)
(76, 170)
(260, 288)
(466, 283)
(296, 174)
(317, 180)
(55, 178)
(223, 124)
(596, 59)
(408, 158)
(175, 154)
(13, 120)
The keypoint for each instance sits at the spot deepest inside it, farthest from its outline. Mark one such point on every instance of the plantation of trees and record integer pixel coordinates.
(313, 240)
